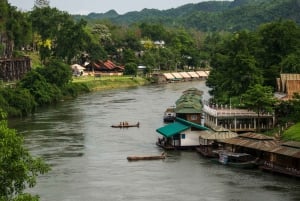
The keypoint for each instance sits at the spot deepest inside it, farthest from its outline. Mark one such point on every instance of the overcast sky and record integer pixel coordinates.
(102, 6)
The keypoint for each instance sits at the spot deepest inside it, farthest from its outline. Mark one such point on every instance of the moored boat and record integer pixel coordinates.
(150, 157)
(239, 160)
(169, 115)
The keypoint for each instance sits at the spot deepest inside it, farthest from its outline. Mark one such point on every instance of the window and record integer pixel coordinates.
(194, 117)
(182, 136)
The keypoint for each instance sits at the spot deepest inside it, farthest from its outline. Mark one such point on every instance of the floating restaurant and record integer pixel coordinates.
(237, 120)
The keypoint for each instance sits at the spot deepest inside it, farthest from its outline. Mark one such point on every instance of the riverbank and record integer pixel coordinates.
(110, 82)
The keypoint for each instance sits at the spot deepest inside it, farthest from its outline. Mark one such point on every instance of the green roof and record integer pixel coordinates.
(172, 129)
(177, 127)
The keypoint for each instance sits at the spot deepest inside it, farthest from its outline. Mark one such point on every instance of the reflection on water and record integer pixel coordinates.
(88, 157)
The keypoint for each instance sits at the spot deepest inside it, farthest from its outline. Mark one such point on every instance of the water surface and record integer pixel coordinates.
(88, 157)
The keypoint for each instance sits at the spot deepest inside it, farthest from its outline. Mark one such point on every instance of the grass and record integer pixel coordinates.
(293, 133)
(110, 82)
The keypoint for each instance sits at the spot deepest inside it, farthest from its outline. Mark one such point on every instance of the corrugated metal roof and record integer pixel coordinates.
(293, 144)
(178, 126)
(286, 151)
(172, 129)
(256, 136)
(264, 145)
(188, 108)
(209, 135)
(191, 124)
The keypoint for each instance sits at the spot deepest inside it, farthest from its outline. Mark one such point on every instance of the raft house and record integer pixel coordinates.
(274, 156)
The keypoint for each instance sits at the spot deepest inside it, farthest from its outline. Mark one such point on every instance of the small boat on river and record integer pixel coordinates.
(125, 125)
(169, 115)
(150, 157)
(239, 160)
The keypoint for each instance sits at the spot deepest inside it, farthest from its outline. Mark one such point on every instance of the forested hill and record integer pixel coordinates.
(211, 15)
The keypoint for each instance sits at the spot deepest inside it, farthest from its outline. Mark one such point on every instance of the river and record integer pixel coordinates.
(88, 157)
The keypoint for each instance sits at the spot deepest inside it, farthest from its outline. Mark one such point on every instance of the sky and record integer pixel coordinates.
(101, 6)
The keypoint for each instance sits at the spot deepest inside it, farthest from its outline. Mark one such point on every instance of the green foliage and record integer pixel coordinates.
(71, 40)
(18, 28)
(280, 40)
(289, 111)
(56, 73)
(53, 25)
(293, 133)
(18, 169)
(235, 66)
(42, 91)
(210, 16)
(259, 99)
(17, 102)
(74, 89)
(130, 69)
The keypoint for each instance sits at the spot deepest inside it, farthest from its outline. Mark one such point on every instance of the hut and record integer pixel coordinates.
(181, 134)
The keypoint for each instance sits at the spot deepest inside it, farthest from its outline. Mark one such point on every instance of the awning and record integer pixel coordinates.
(172, 129)
(169, 76)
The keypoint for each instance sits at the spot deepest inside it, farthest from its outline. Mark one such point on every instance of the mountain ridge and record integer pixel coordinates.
(210, 15)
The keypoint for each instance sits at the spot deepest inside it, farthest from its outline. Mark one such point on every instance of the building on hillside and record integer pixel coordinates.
(287, 86)
(105, 68)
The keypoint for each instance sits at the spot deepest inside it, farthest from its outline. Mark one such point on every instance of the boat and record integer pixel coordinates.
(125, 125)
(150, 157)
(169, 115)
(239, 160)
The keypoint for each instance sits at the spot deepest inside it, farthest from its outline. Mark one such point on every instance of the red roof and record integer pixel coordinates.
(106, 66)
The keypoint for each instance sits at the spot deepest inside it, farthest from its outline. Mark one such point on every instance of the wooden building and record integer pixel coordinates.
(287, 86)
(273, 155)
(189, 105)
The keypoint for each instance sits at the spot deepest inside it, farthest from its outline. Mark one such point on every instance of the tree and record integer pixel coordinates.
(259, 99)
(56, 72)
(235, 67)
(279, 39)
(18, 169)
(71, 40)
(42, 91)
(131, 69)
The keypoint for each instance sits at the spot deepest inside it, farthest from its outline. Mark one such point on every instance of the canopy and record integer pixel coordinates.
(172, 129)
